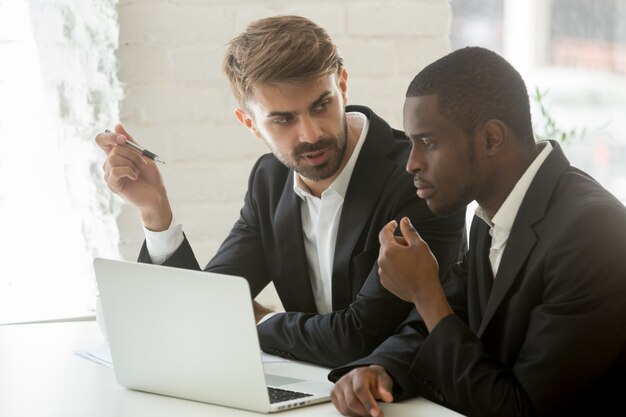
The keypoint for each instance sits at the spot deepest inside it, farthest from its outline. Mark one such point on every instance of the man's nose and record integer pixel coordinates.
(415, 163)
(309, 130)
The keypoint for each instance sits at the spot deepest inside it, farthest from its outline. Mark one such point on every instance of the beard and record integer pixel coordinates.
(336, 145)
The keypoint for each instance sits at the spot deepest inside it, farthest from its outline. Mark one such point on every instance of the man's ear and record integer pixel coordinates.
(494, 135)
(343, 85)
(247, 121)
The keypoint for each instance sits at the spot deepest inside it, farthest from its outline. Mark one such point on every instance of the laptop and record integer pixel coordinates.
(192, 335)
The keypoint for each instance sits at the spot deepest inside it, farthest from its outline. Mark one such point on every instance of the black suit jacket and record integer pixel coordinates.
(266, 244)
(547, 335)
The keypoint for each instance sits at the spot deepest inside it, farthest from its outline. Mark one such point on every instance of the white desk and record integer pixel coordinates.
(41, 376)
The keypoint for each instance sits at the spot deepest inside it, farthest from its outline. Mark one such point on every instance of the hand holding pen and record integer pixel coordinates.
(129, 173)
(137, 148)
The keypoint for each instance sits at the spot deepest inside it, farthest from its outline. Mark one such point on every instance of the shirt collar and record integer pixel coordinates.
(505, 216)
(340, 184)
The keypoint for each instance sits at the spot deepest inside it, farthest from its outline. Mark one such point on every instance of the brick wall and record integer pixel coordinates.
(178, 105)
(58, 87)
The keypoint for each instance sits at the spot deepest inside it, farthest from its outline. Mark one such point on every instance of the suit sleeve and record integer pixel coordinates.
(572, 337)
(397, 353)
(345, 335)
(337, 337)
(183, 257)
(240, 254)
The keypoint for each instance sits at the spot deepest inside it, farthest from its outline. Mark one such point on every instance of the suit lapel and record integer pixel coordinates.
(518, 248)
(366, 183)
(523, 238)
(289, 235)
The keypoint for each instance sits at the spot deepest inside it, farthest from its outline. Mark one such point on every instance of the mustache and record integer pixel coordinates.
(320, 145)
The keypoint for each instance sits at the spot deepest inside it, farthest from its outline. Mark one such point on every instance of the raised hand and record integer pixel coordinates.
(408, 269)
(135, 178)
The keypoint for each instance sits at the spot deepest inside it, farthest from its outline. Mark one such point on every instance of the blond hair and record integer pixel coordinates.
(276, 50)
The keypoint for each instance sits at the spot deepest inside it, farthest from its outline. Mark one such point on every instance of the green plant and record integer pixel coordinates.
(549, 127)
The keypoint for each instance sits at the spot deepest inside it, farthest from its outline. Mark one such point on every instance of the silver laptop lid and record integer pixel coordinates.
(182, 333)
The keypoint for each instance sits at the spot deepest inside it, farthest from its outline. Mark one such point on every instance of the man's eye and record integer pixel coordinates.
(322, 106)
(282, 120)
(428, 143)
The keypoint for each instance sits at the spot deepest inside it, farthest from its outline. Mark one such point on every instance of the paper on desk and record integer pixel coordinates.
(102, 355)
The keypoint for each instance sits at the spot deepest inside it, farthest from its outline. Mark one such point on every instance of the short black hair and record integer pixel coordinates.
(474, 85)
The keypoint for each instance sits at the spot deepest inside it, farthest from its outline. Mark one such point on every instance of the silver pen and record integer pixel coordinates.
(139, 149)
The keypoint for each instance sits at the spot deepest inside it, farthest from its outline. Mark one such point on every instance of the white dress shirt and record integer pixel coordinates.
(320, 222)
(502, 221)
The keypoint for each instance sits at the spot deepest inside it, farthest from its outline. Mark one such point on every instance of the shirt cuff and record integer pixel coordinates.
(161, 245)
(267, 317)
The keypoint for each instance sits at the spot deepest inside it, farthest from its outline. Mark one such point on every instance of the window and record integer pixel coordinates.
(573, 52)
(53, 218)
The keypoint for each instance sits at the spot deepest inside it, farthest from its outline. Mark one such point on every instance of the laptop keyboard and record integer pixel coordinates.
(279, 395)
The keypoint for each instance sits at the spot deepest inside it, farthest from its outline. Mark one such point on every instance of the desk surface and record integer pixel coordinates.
(41, 376)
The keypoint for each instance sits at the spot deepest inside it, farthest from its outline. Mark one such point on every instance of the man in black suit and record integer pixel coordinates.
(533, 321)
(314, 206)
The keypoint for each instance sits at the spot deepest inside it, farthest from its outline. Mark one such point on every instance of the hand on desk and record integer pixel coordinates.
(355, 394)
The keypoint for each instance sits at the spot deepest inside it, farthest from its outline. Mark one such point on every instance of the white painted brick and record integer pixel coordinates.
(129, 251)
(198, 143)
(366, 89)
(197, 64)
(129, 221)
(380, 94)
(330, 16)
(399, 19)
(208, 223)
(246, 15)
(232, 3)
(369, 57)
(141, 63)
(413, 56)
(172, 24)
(201, 182)
(146, 2)
(210, 143)
(169, 102)
(390, 109)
